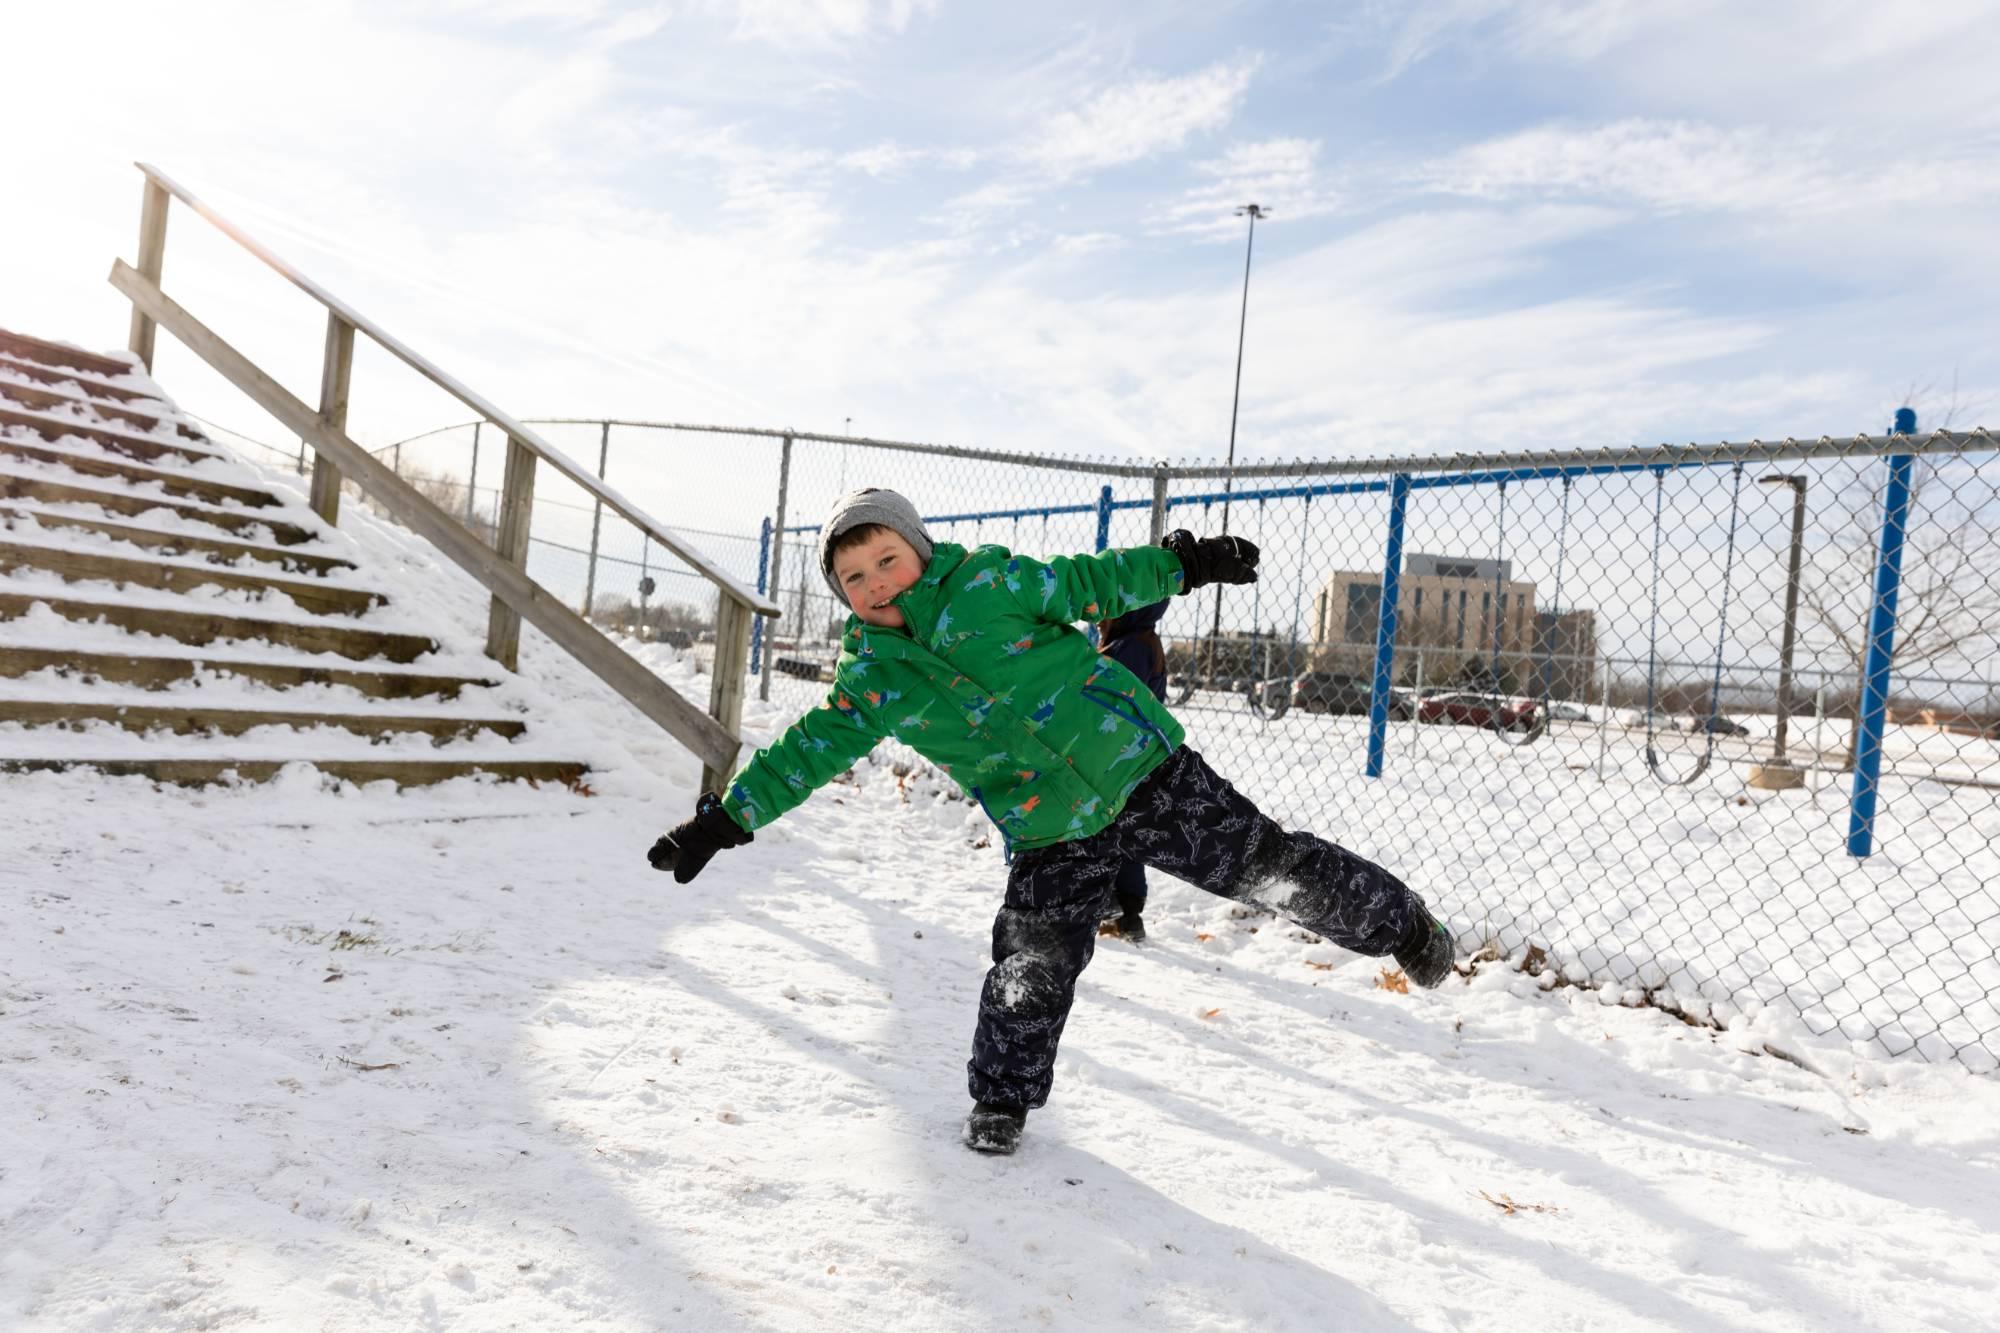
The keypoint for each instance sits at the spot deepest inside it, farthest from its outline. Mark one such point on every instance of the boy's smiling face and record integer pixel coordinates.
(874, 570)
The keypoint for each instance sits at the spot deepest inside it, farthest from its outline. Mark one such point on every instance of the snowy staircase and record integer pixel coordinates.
(164, 613)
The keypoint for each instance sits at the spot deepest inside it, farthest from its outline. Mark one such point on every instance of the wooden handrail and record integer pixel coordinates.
(712, 742)
(583, 477)
(502, 568)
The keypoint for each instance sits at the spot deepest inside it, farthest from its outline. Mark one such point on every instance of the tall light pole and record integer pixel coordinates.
(1253, 212)
(1781, 773)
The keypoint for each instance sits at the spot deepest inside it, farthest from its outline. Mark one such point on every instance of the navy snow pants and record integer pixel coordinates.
(1186, 820)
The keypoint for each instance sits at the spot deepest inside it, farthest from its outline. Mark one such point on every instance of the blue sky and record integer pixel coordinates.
(1494, 225)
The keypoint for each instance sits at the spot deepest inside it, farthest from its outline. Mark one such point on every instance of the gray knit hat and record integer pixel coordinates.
(860, 508)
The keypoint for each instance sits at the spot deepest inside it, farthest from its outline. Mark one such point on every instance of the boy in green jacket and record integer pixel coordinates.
(972, 659)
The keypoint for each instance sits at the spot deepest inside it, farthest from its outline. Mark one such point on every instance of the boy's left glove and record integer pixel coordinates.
(690, 846)
(1207, 560)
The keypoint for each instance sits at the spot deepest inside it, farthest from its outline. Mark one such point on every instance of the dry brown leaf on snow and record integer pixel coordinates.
(1210, 1013)
(1506, 1204)
(1323, 967)
(1203, 938)
(1394, 980)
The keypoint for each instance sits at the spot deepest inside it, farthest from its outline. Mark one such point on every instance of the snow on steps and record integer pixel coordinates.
(155, 672)
(126, 390)
(166, 613)
(76, 418)
(76, 561)
(58, 401)
(54, 441)
(166, 542)
(60, 486)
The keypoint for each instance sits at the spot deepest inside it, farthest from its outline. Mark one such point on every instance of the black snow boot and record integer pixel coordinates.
(1128, 924)
(1426, 952)
(994, 1129)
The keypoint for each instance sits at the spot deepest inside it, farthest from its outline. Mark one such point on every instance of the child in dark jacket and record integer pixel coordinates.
(1133, 641)
(973, 659)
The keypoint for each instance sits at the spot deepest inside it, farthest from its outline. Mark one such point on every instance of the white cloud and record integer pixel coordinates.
(1138, 119)
(1812, 64)
(510, 11)
(1427, 27)
(1282, 175)
(570, 226)
(968, 212)
(887, 161)
(822, 22)
(1084, 243)
(1679, 166)
(1128, 122)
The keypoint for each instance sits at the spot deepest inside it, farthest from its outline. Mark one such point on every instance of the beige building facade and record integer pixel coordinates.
(1451, 609)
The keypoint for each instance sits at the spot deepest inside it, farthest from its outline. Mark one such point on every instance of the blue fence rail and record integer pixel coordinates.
(1754, 878)
(1874, 705)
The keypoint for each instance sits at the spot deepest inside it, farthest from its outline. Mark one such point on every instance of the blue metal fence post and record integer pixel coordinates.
(1881, 646)
(1385, 624)
(1103, 518)
(763, 575)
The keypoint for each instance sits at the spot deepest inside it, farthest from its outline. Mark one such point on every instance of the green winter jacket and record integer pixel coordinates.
(993, 683)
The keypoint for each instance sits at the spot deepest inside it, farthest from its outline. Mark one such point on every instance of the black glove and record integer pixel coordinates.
(688, 847)
(1212, 559)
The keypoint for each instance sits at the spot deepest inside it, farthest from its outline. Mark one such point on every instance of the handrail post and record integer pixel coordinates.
(336, 370)
(517, 498)
(725, 691)
(1385, 624)
(596, 522)
(152, 258)
(778, 565)
(1158, 527)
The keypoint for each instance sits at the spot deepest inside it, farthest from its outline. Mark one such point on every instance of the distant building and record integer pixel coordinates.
(1451, 609)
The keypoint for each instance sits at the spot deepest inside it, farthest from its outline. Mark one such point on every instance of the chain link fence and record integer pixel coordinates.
(1668, 722)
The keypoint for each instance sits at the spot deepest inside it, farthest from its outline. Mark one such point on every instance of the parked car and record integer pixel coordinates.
(1566, 712)
(1336, 692)
(1272, 695)
(1656, 720)
(1467, 709)
(1718, 725)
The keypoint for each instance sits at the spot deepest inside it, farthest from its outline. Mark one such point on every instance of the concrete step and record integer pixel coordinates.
(96, 390)
(159, 673)
(87, 566)
(177, 543)
(46, 353)
(53, 400)
(15, 486)
(199, 628)
(189, 720)
(173, 483)
(402, 772)
(145, 448)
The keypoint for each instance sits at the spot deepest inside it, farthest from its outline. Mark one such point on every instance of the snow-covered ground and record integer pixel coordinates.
(291, 1058)
(1714, 898)
(459, 1059)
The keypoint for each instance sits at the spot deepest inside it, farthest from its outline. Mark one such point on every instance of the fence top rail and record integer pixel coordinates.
(562, 463)
(1492, 467)
(904, 446)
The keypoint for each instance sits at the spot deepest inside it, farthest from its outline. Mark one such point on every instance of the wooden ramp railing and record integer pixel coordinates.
(502, 568)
